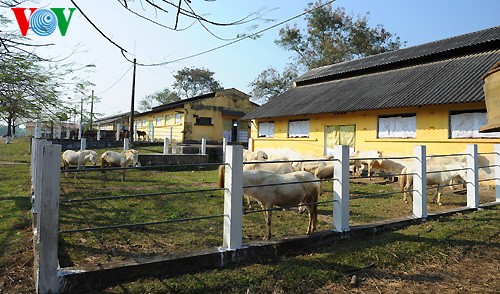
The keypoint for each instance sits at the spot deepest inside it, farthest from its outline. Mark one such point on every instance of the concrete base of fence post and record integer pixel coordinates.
(341, 188)
(420, 182)
(233, 198)
(472, 176)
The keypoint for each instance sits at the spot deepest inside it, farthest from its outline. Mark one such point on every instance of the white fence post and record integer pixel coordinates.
(250, 144)
(126, 144)
(38, 129)
(233, 198)
(472, 176)
(58, 132)
(224, 145)
(48, 221)
(165, 146)
(171, 134)
(203, 149)
(419, 182)
(117, 134)
(341, 188)
(98, 132)
(80, 134)
(83, 144)
(496, 169)
(152, 139)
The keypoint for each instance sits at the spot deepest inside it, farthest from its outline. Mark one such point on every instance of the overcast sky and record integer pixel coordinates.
(235, 66)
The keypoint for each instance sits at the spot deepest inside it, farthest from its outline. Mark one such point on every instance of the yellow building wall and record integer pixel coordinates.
(432, 131)
(188, 130)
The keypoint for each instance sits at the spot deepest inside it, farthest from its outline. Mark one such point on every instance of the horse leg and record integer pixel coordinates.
(267, 217)
(122, 175)
(439, 192)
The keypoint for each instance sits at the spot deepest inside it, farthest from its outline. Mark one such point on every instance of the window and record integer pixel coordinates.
(402, 126)
(168, 119)
(466, 125)
(266, 129)
(143, 123)
(339, 135)
(158, 120)
(204, 121)
(178, 117)
(298, 129)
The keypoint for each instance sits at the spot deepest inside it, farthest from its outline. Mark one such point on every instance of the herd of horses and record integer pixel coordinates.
(108, 159)
(106, 135)
(283, 183)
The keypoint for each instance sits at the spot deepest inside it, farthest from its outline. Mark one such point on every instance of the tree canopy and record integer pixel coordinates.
(191, 82)
(164, 96)
(331, 36)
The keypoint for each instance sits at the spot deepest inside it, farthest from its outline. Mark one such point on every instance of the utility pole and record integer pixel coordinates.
(131, 122)
(91, 109)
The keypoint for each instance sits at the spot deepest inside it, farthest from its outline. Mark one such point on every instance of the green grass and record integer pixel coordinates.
(329, 269)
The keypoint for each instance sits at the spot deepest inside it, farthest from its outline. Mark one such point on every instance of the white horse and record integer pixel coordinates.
(436, 175)
(298, 187)
(78, 158)
(122, 159)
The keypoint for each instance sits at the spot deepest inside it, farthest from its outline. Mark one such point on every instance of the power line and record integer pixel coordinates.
(115, 82)
(123, 51)
(232, 42)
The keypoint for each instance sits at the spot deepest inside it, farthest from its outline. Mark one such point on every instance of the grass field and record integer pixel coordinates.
(384, 263)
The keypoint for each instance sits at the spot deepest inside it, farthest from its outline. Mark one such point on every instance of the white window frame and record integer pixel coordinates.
(266, 129)
(178, 118)
(298, 128)
(397, 126)
(466, 125)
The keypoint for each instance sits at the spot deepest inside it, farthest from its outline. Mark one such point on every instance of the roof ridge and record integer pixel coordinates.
(403, 54)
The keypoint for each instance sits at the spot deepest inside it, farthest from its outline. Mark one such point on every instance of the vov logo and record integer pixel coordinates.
(43, 22)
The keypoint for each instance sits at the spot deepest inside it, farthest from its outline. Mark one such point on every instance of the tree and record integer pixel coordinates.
(331, 36)
(191, 82)
(270, 83)
(162, 97)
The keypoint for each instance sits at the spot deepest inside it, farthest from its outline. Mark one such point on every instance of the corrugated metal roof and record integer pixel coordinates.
(448, 81)
(443, 47)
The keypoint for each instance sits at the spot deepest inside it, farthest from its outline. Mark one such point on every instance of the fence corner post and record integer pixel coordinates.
(341, 188)
(46, 278)
(233, 198)
(420, 182)
(496, 169)
(472, 176)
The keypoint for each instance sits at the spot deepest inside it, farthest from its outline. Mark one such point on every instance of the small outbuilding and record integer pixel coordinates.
(211, 116)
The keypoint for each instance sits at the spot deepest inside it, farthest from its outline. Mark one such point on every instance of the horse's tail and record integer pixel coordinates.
(221, 176)
(402, 180)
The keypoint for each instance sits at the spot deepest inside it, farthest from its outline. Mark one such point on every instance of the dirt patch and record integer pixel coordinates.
(452, 272)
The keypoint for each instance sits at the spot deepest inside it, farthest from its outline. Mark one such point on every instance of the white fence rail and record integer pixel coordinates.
(45, 171)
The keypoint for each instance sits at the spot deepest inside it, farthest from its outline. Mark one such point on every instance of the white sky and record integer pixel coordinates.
(235, 66)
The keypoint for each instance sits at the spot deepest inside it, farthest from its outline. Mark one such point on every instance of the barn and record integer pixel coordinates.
(212, 116)
(430, 94)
